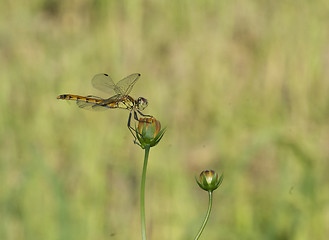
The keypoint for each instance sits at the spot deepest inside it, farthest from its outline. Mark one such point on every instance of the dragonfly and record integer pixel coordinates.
(121, 99)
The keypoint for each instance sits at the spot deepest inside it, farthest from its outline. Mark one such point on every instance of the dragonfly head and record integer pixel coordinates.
(141, 103)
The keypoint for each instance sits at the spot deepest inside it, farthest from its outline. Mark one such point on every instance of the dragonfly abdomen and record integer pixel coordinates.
(79, 98)
(90, 102)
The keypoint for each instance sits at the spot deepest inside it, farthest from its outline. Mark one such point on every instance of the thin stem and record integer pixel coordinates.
(142, 197)
(206, 218)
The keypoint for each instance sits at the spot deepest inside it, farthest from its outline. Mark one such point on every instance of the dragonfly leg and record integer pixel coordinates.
(131, 129)
(144, 115)
(136, 116)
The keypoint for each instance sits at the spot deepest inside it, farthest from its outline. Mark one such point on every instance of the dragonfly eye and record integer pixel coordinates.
(142, 103)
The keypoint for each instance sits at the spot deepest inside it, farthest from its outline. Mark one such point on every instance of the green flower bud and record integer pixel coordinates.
(209, 180)
(149, 131)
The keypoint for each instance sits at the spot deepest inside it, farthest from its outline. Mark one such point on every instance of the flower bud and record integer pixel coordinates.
(209, 180)
(149, 131)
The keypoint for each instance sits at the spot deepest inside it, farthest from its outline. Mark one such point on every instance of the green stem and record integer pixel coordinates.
(142, 197)
(206, 218)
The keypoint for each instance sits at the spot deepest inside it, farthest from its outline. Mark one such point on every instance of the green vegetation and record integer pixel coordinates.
(242, 87)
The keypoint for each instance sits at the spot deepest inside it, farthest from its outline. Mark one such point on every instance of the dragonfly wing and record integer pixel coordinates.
(113, 99)
(125, 85)
(105, 83)
(91, 106)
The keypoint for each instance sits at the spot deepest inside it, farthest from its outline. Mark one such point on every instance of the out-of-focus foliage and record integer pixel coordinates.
(242, 87)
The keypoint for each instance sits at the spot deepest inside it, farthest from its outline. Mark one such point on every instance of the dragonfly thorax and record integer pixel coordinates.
(141, 103)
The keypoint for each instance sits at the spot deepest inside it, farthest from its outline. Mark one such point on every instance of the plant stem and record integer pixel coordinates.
(206, 218)
(142, 197)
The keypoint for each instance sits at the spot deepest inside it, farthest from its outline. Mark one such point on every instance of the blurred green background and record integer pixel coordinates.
(242, 87)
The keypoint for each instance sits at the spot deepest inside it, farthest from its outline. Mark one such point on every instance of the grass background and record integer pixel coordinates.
(242, 87)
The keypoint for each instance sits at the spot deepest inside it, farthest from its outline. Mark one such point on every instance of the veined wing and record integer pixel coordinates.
(112, 99)
(126, 85)
(91, 105)
(105, 83)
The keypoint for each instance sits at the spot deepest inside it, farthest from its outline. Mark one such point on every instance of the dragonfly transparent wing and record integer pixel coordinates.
(105, 83)
(125, 85)
(91, 106)
(110, 100)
